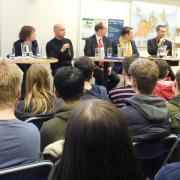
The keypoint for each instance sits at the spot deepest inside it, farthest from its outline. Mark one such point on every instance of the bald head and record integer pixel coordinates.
(59, 31)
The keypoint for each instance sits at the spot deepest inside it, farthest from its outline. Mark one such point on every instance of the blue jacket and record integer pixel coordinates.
(147, 118)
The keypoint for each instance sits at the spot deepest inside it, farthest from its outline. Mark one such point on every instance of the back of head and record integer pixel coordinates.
(163, 68)
(126, 64)
(69, 83)
(10, 83)
(97, 140)
(38, 97)
(145, 73)
(86, 66)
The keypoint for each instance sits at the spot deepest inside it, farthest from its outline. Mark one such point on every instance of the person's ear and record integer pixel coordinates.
(57, 94)
(18, 94)
(133, 83)
(92, 75)
(124, 72)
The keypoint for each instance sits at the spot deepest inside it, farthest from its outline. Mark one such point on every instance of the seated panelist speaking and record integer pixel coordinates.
(159, 41)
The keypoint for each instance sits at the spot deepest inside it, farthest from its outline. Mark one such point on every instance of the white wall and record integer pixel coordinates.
(42, 14)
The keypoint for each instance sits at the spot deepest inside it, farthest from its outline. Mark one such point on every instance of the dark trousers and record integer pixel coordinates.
(55, 69)
(113, 79)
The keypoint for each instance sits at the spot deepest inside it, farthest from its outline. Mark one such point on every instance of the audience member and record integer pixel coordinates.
(169, 172)
(69, 84)
(60, 48)
(86, 66)
(174, 106)
(39, 101)
(119, 96)
(26, 35)
(20, 141)
(97, 145)
(99, 40)
(163, 87)
(147, 115)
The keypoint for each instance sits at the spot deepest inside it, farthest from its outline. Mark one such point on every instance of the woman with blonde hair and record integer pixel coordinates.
(39, 101)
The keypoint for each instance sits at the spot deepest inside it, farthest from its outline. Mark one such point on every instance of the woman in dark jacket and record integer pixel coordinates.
(27, 34)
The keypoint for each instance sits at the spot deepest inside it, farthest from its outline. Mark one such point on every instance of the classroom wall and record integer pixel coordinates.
(43, 14)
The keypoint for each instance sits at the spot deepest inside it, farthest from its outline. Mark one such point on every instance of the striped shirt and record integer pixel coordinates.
(119, 96)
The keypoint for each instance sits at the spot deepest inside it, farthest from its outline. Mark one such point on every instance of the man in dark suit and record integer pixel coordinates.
(158, 41)
(99, 40)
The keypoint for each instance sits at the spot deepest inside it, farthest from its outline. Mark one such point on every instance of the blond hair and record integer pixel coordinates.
(38, 96)
(10, 82)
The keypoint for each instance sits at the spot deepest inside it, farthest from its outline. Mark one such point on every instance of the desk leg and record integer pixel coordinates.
(105, 74)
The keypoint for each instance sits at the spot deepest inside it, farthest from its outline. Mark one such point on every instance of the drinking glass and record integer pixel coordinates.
(109, 52)
(97, 52)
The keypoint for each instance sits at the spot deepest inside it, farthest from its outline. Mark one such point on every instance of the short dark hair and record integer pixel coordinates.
(126, 30)
(26, 32)
(126, 64)
(99, 26)
(69, 83)
(163, 68)
(86, 66)
(178, 78)
(159, 27)
(146, 74)
(97, 138)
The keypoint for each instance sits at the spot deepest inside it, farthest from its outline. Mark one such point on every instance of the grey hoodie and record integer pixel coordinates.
(147, 117)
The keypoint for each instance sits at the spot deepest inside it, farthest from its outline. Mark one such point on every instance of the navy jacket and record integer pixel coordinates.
(147, 118)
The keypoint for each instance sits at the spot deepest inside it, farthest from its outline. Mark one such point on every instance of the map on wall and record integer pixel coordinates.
(146, 16)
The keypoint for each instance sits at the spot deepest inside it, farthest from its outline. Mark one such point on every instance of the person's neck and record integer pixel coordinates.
(58, 38)
(87, 85)
(99, 35)
(71, 102)
(124, 39)
(7, 113)
(127, 80)
(141, 94)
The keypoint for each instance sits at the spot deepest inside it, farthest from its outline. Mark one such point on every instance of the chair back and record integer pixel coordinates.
(150, 150)
(33, 171)
(38, 121)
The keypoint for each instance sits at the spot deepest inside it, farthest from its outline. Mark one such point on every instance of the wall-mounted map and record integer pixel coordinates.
(146, 16)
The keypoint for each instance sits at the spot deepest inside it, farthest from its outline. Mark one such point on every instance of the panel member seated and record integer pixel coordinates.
(28, 35)
(158, 41)
(99, 40)
(126, 41)
(60, 48)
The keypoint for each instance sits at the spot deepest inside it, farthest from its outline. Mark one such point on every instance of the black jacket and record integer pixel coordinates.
(147, 118)
(18, 52)
(91, 44)
(53, 48)
(21, 114)
(152, 46)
